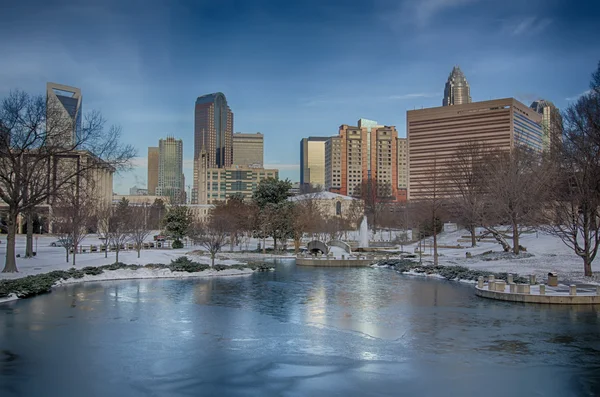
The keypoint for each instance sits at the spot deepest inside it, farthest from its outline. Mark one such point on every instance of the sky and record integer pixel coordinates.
(291, 69)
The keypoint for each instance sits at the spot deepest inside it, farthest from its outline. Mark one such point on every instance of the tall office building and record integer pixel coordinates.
(218, 184)
(457, 90)
(213, 133)
(367, 152)
(248, 150)
(434, 135)
(333, 164)
(551, 123)
(402, 163)
(170, 170)
(63, 114)
(152, 170)
(312, 161)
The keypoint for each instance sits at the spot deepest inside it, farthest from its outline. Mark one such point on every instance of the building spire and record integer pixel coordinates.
(457, 90)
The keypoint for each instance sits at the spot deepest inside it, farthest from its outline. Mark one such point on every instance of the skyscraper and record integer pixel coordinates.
(367, 153)
(248, 149)
(435, 134)
(213, 134)
(551, 123)
(312, 161)
(170, 170)
(213, 130)
(152, 170)
(63, 114)
(457, 90)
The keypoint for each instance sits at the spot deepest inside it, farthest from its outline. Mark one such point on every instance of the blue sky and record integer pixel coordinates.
(292, 69)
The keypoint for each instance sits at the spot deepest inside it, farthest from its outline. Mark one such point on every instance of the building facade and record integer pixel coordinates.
(457, 90)
(171, 182)
(435, 134)
(551, 124)
(213, 133)
(402, 154)
(330, 204)
(248, 150)
(368, 153)
(63, 115)
(218, 184)
(312, 161)
(152, 170)
(333, 164)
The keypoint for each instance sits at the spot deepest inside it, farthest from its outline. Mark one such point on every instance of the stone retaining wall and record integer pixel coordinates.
(334, 262)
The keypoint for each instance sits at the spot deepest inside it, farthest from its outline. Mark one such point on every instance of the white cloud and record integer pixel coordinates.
(282, 167)
(531, 25)
(422, 12)
(576, 97)
(416, 95)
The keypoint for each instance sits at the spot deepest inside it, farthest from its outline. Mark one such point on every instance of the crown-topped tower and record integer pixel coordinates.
(457, 90)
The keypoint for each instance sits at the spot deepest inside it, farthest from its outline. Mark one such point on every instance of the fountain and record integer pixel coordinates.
(363, 236)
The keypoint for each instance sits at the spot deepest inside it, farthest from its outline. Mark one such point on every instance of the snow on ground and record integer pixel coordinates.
(53, 258)
(549, 254)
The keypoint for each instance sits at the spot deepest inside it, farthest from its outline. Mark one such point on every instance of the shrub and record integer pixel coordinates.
(177, 244)
(184, 264)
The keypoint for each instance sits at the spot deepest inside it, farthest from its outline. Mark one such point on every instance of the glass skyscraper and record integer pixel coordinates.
(457, 90)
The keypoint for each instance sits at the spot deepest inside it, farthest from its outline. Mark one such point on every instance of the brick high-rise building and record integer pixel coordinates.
(360, 154)
(213, 133)
(435, 134)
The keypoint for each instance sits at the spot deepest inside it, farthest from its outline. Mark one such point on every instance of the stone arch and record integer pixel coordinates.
(317, 246)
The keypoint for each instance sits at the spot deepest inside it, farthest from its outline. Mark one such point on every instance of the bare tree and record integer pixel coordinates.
(139, 229)
(212, 234)
(574, 215)
(466, 177)
(307, 216)
(516, 185)
(104, 215)
(75, 212)
(32, 149)
(119, 228)
(375, 196)
(430, 207)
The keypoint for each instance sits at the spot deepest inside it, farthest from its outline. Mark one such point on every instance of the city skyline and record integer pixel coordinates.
(142, 76)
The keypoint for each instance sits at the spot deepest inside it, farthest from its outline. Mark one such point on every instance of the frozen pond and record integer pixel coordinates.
(294, 332)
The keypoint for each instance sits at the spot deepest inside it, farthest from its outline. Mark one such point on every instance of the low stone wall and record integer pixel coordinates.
(534, 294)
(334, 262)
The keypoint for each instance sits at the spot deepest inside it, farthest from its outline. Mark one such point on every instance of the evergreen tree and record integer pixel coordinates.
(177, 222)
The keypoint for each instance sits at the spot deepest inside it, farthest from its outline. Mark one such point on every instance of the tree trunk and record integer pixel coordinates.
(435, 251)
(473, 237)
(274, 244)
(74, 254)
(587, 266)
(515, 230)
(105, 248)
(29, 240)
(212, 259)
(10, 264)
(297, 245)
(264, 245)
(139, 248)
(117, 252)
(67, 253)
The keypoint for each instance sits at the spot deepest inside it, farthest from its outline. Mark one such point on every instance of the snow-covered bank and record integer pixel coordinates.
(182, 268)
(143, 273)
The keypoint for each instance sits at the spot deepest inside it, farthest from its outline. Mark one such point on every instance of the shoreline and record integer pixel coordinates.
(136, 274)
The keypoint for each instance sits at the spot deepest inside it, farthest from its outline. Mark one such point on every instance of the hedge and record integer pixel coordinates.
(29, 286)
(448, 272)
